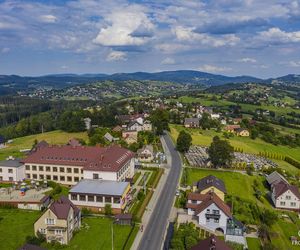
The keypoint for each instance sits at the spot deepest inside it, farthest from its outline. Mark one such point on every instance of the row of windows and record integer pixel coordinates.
(123, 169)
(292, 204)
(9, 178)
(10, 170)
(53, 169)
(97, 198)
(53, 177)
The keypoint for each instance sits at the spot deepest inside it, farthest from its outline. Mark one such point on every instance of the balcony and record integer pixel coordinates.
(212, 216)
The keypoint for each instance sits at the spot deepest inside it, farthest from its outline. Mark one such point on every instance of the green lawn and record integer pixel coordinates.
(15, 226)
(26, 142)
(253, 244)
(204, 138)
(237, 184)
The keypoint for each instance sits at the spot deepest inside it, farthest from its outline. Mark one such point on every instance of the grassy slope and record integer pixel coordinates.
(53, 137)
(204, 137)
(253, 244)
(15, 225)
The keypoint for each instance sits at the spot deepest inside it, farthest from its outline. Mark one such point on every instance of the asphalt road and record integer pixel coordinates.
(154, 232)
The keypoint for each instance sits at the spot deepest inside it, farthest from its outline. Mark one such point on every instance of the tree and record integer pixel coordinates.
(268, 217)
(160, 120)
(184, 141)
(107, 209)
(220, 152)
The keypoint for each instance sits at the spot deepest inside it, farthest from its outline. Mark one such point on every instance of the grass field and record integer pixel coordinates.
(15, 226)
(253, 244)
(26, 142)
(204, 138)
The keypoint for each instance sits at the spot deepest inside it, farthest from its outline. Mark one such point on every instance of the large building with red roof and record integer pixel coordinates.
(69, 164)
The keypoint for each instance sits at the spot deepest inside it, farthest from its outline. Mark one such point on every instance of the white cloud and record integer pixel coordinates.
(116, 56)
(5, 50)
(276, 35)
(168, 61)
(213, 68)
(64, 67)
(247, 60)
(121, 24)
(295, 64)
(48, 18)
(187, 34)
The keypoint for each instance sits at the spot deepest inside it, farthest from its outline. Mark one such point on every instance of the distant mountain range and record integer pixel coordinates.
(10, 83)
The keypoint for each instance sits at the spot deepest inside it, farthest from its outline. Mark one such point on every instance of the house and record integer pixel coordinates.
(68, 165)
(215, 116)
(12, 170)
(275, 177)
(191, 122)
(242, 132)
(117, 128)
(87, 123)
(147, 126)
(285, 196)
(135, 126)
(211, 212)
(2, 142)
(130, 136)
(146, 154)
(95, 194)
(231, 128)
(210, 184)
(211, 243)
(59, 221)
(109, 137)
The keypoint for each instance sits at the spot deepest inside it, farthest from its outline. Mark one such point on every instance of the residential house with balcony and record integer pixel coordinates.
(59, 221)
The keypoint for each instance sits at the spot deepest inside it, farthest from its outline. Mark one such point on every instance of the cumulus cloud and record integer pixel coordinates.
(294, 64)
(125, 27)
(188, 34)
(213, 68)
(276, 35)
(247, 60)
(48, 18)
(168, 61)
(116, 56)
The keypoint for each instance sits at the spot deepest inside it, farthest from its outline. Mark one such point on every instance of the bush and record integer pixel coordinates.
(108, 209)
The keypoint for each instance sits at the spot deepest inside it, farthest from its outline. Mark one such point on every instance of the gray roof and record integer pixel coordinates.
(11, 163)
(211, 181)
(101, 187)
(275, 177)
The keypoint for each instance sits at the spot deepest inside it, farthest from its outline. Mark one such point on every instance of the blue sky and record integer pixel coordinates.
(230, 37)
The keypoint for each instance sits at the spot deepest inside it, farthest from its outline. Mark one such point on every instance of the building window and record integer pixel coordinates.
(50, 221)
(216, 220)
(48, 169)
(216, 212)
(117, 200)
(82, 171)
(27, 167)
(99, 198)
(34, 176)
(48, 177)
(11, 178)
(282, 203)
(288, 197)
(58, 231)
(95, 176)
(55, 178)
(62, 170)
(74, 197)
(82, 198)
(69, 170)
(207, 219)
(10, 171)
(76, 179)
(208, 211)
(54, 169)
(107, 199)
(76, 171)
(69, 178)
(33, 168)
(28, 176)
(41, 177)
(41, 168)
(91, 198)
(1, 178)
(293, 204)
(43, 230)
(62, 178)
(0, 170)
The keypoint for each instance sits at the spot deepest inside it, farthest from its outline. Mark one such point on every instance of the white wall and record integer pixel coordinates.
(17, 173)
(283, 198)
(111, 176)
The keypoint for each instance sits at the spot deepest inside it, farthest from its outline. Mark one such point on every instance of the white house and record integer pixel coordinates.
(12, 170)
(135, 126)
(285, 196)
(147, 126)
(146, 153)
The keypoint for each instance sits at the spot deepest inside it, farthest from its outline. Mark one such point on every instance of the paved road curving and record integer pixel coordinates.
(154, 232)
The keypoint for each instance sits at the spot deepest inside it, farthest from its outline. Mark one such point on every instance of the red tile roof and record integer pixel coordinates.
(110, 159)
(211, 243)
(207, 200)
(281, 187)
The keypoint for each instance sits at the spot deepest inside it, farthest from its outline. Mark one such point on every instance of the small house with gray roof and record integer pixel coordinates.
(11, 170)
(95, 194)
